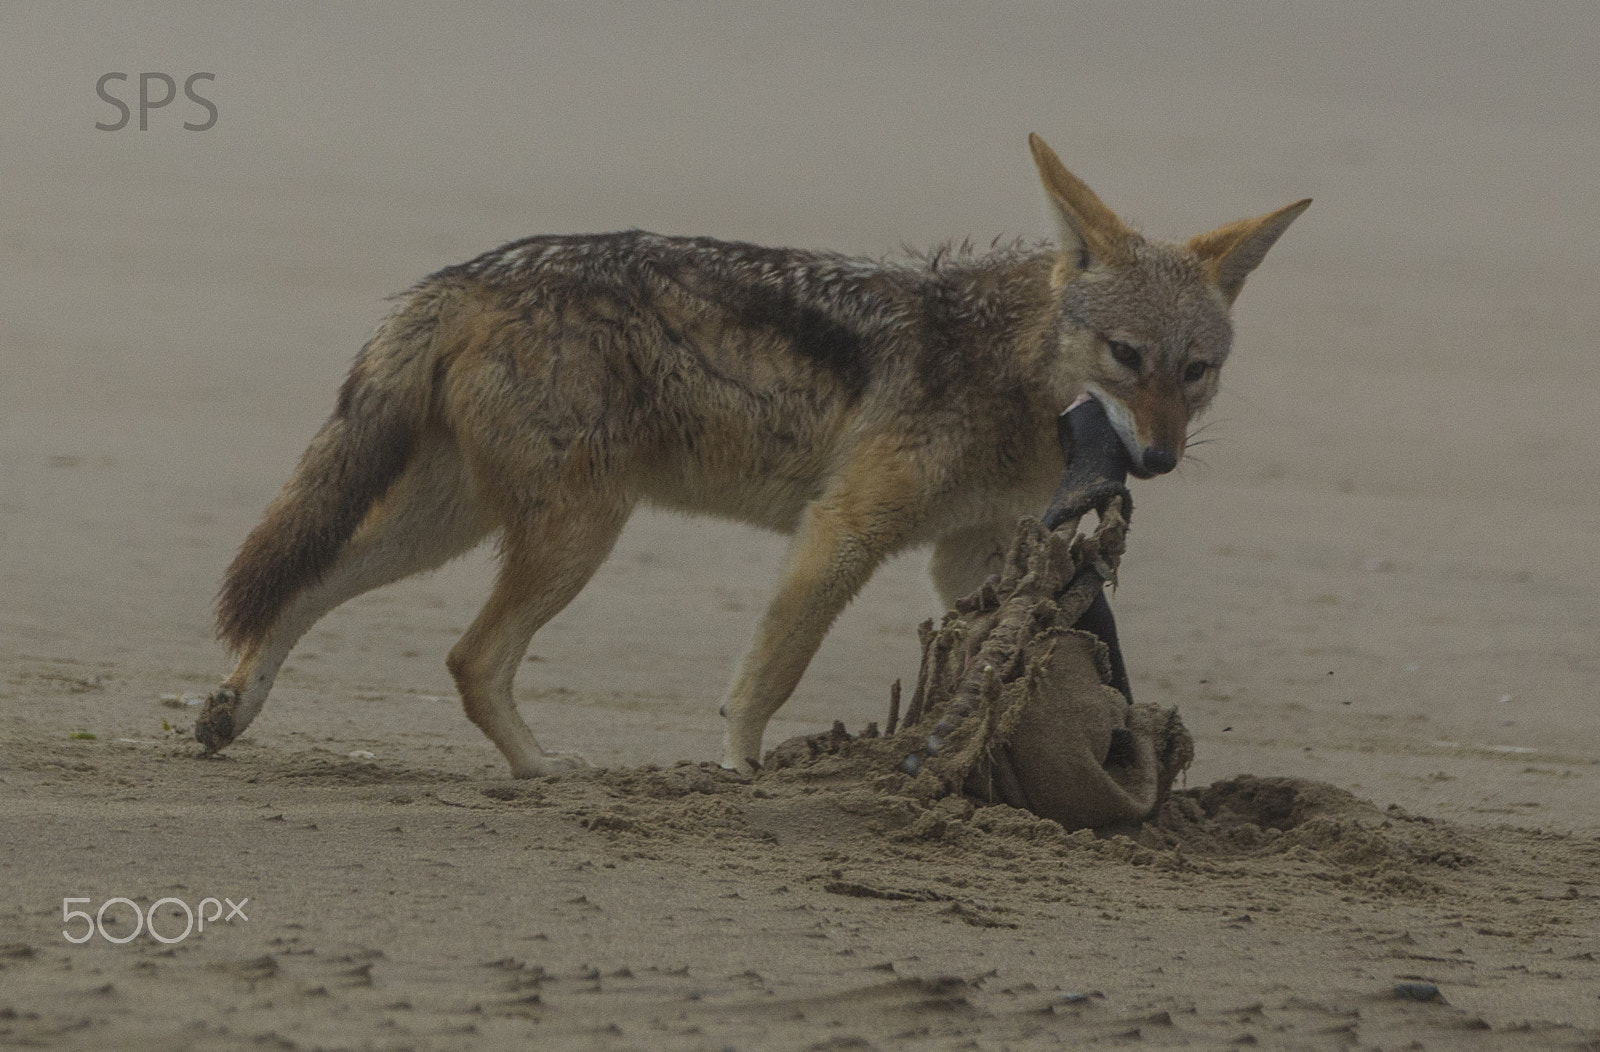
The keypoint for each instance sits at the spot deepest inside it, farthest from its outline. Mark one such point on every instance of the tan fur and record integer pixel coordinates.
(1231, 252)
(1161, 413)
(1103, 234)
(539, 392)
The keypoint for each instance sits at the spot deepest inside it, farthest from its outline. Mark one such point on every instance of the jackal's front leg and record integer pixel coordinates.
(964, 560)
(842, 539)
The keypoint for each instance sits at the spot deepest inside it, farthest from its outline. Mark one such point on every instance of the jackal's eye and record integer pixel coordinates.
(1126, 354)
(1194, 371)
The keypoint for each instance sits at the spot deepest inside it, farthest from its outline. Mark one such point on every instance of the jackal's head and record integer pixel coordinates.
(1144, 324)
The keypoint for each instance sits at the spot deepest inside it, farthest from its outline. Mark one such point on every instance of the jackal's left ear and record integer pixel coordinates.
(1087, 226)
(1231, 252)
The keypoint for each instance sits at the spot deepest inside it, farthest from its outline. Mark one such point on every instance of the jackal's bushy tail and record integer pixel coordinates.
(353, 460)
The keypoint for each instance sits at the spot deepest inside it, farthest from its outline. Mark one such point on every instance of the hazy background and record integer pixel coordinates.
(1394, 531)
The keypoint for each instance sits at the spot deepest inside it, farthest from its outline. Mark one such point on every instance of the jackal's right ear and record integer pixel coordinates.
(1229, 253)
(1087, 226)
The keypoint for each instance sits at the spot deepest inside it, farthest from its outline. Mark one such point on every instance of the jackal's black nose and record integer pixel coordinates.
(1159, 461)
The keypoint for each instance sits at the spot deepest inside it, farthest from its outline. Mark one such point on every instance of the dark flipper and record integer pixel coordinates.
(1097, 464)
(1097, 470)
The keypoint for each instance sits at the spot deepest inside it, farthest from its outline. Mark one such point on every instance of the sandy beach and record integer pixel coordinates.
(1372, 596)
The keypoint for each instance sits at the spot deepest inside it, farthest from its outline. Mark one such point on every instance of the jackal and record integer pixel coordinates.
(542, 390)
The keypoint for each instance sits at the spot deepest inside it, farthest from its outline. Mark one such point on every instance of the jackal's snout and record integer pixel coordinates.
(1159, 461)
(1154, 425)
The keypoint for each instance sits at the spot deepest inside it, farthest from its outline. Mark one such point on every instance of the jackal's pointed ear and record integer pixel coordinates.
(1087, 226)
(1229, 253)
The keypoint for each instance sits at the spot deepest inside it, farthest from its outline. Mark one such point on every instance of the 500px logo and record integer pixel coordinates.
(143, 920)
(147, 102)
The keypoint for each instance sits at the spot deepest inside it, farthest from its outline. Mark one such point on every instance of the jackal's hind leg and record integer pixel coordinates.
(543, 568)
(428, 517)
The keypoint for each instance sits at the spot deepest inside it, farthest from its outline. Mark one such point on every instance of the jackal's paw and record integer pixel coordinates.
(214, 728)
(542, 764)
(746, 766)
